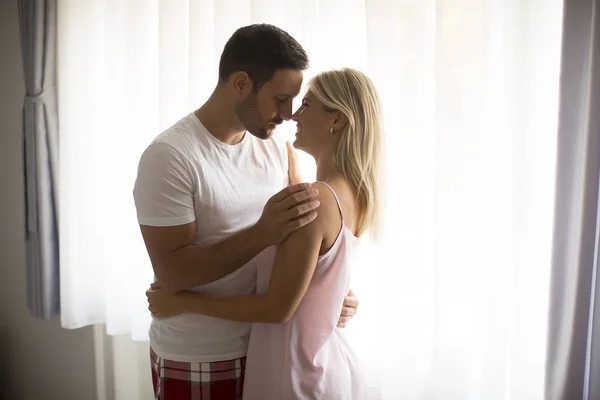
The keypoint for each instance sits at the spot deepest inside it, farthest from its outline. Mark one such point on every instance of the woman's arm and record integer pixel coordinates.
(292, 272)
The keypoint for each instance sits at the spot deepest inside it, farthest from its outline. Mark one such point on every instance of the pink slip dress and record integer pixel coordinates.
(308, 357)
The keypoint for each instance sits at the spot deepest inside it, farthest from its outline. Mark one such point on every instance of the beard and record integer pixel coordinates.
(247, 113)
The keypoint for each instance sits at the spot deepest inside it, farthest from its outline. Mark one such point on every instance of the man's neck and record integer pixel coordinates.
(218, 117)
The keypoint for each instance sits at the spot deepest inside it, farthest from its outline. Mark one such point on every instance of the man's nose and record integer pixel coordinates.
(286, 112)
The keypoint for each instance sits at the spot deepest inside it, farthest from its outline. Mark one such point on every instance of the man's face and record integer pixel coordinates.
(260, 112)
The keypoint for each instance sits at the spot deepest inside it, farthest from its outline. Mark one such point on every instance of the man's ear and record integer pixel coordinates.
(241, 84)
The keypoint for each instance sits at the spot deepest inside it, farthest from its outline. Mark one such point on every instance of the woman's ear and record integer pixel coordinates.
(340, 121)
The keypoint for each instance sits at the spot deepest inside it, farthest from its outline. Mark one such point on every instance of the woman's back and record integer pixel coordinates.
(308, 357)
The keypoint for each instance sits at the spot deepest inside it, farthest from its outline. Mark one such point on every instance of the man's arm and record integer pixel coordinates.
(180, 264)
(292, 272)
(294, 266)
(164, 199)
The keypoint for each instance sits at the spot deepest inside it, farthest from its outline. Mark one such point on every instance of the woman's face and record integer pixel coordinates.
(313, 125)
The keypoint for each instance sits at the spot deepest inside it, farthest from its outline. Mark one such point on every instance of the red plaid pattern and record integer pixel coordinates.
(173, 380)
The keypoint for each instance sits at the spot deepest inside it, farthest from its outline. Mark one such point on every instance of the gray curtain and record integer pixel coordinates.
(573, 353)
(37, 22)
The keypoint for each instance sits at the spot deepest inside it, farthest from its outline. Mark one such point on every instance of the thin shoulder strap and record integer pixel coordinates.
(337, 200)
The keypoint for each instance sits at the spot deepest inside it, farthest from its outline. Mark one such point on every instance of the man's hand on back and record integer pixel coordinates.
(348, 310)
(286, 211)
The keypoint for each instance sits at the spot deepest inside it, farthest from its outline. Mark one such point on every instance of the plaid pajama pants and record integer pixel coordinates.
(173, 380)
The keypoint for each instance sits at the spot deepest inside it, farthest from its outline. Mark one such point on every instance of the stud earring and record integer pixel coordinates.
(331, 132)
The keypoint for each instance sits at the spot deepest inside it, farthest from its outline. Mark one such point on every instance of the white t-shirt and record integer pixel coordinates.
(187, 174)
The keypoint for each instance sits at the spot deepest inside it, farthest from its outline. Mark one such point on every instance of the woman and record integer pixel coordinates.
(295, 350)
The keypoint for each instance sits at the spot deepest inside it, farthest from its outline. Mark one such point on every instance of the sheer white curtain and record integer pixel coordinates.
(454, 302)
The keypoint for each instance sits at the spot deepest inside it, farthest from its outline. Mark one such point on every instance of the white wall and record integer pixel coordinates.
(38, 360)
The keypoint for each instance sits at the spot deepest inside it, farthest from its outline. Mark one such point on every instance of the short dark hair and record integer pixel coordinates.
(260, 50)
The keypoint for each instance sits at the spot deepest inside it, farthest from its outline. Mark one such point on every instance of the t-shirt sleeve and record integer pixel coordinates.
(164, 188)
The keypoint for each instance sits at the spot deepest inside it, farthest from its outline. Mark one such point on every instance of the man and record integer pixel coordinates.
(200, 196)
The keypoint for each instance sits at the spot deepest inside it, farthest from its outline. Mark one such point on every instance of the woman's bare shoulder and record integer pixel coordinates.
(328, 213)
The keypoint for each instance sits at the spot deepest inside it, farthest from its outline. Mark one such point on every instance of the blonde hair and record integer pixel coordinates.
(359, 156)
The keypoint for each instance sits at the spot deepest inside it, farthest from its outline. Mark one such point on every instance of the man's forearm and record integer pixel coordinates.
(194, 265)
